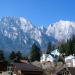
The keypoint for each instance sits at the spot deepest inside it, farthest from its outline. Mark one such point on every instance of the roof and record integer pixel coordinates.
(70, 57)
(62, 67)
(59, 68)
(72, 70)
(26, 67)
(47, 57)
(3, 65)
(55, 52)
(37, 63)
(24, 61)
(50, 58)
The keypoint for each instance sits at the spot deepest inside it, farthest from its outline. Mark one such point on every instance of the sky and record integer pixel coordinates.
(39, 12)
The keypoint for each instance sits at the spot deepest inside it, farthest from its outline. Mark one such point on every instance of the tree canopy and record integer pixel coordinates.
(68, 47)
(1, 55)
(12, 55)
(35, 53)
(49, 48)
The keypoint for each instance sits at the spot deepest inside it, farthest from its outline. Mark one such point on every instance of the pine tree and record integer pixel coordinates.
(49, 48)
(63, 48)
(68, 47)
(35, 53)
(12, 55)
(19, 55)
(1, 55)
(72, 45)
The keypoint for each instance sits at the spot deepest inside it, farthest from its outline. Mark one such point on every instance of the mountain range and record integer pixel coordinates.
(18, 33)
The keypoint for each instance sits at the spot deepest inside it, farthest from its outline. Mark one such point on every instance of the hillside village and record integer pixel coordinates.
(49, 64)
(37, 37)
(53, 61)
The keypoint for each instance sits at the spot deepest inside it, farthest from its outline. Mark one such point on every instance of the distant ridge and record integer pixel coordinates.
(18, 33)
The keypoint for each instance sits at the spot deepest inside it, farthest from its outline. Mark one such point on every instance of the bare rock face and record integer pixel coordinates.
(18, 33)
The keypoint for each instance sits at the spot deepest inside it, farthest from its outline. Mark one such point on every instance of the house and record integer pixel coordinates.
(70, 61)
(55, 52)
(26, 69)
(71, 70)
(46, 58)
(66, 71)
(50, 57)
(22, 68)
(24, 61)
(63, 70)
(3, 68)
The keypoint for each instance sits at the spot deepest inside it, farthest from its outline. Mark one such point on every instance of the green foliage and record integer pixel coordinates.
(68, 47)
(25, 57)
(15, 56)
(49, 48)
(12, 55)
(1, 55)
(35, 53)
(64, 48)
(19, 56)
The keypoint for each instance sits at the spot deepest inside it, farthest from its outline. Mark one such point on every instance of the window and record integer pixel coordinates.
(10, 73)
(19, 72)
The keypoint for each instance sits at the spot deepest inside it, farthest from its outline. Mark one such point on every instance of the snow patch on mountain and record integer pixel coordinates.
(18, 33)
(61, 30)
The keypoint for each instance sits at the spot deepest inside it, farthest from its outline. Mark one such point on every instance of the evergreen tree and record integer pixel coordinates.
(64, 48)
(19, 55)
(1, 55)
(68, 47)
(12, 55)
(72, 45)
(49, 48)
(35, 53)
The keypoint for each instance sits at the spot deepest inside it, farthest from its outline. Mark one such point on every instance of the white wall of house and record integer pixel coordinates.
(43, 58)
(14, 74)
(73, 62)
(55, 52)
(46, 57)
(4, 73)
(50, 58)
(70, 61)
(69, 64)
